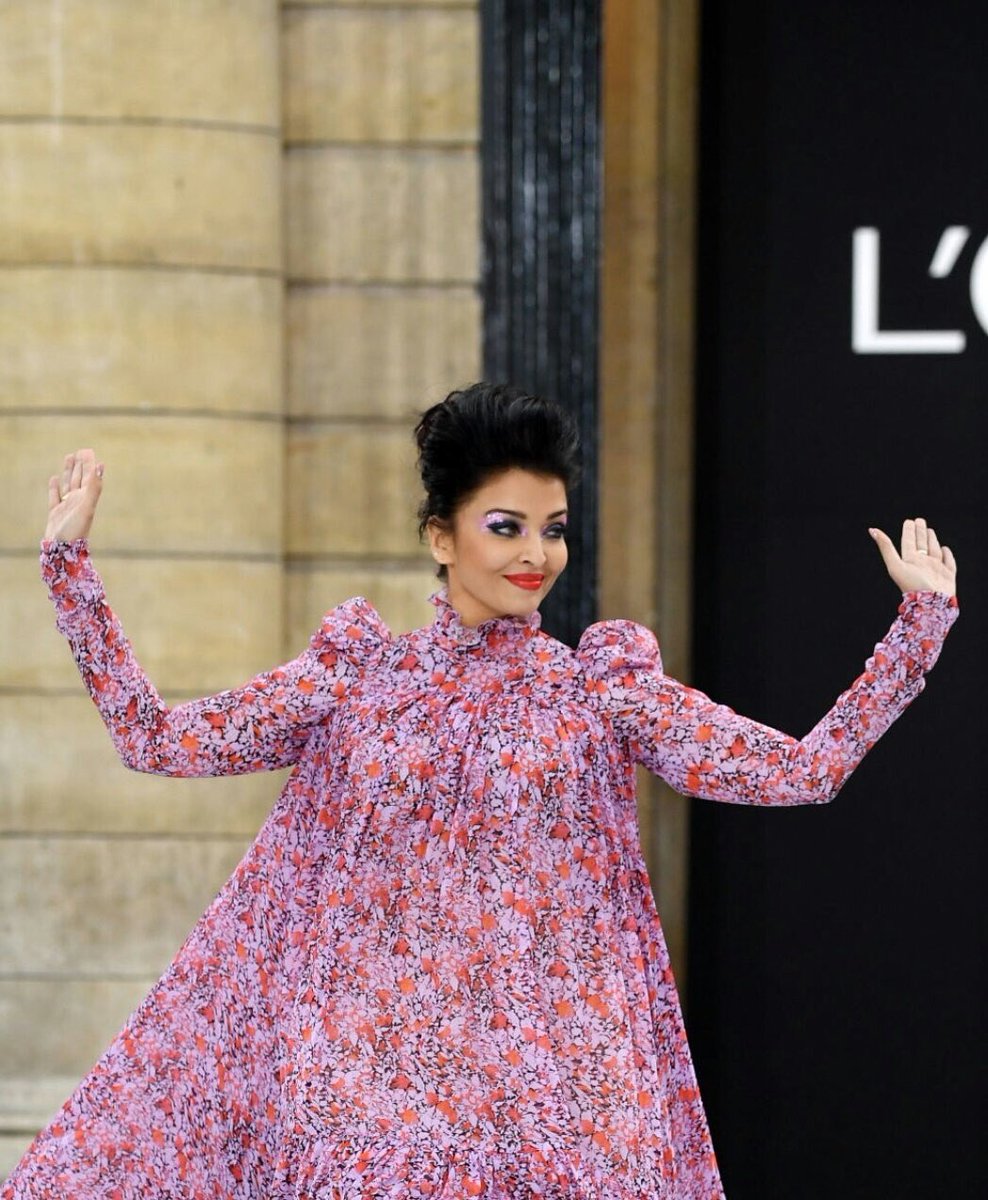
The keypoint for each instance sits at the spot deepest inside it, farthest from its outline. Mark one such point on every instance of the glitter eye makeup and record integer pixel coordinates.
(493, 519)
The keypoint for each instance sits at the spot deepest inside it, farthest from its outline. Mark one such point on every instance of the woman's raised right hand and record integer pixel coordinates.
(73, 496)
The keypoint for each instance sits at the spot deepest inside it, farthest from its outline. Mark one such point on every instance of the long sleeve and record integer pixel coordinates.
(707, 750)
(260, 726)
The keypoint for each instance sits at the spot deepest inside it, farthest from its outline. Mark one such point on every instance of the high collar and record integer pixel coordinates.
(496, 633)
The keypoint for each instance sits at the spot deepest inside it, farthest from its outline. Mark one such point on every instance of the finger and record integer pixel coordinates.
(886, 547)
(948, 559)
(53, 497)
(921, 536)
(933, 544)
(76, 473)
(908, 543)
(92, 472)
(66, 479)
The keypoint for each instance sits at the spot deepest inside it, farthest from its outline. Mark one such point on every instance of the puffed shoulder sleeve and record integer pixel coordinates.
(705, 749)
(347, 640)
(611, 647)
(262, 725)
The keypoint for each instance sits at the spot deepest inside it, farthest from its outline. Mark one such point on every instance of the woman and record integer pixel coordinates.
(438, 971)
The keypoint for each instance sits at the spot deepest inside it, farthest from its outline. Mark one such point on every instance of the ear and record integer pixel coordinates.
(440, 542)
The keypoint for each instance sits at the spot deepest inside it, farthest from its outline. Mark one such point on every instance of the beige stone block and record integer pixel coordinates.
(400, 595)
(383, 214)
(59, 773)
(138, 338)
(384, 75)
(13, 1146)
(380, 351)
(467, 4)
(97, 906)
(197, 626)
(56, 1029)
(154, 194)
(173, 484)
(205, 60)
(27, 1103)
(354, 490)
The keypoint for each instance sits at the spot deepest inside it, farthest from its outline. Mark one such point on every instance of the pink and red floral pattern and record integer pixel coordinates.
(438, 971)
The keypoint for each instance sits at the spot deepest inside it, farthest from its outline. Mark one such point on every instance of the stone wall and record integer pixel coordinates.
(383, 316)
(239, 248)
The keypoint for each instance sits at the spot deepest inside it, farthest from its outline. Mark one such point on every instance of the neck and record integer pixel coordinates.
(472, 612)
(467, 609)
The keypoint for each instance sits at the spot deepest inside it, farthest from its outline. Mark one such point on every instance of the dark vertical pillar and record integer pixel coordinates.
(541, 221)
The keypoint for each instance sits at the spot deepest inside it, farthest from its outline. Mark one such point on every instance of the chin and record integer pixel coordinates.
(526, 604)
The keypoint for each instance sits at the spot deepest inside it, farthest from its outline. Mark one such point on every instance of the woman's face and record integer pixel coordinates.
(509, 533)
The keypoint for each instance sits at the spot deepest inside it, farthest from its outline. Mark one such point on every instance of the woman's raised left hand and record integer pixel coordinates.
(923, 564)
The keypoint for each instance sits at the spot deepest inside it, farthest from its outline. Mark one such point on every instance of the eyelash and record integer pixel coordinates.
(496, 525)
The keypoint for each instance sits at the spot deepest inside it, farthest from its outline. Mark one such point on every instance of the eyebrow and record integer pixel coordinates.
(513, 513)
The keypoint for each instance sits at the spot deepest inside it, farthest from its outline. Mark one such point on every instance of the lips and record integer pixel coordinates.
(530, 583)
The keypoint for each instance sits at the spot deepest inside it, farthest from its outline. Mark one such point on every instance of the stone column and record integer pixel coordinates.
(140, 314)
(647, 324)
(383, 312)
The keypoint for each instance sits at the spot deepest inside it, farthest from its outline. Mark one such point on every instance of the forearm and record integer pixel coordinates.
(893, 676)
(261, 726)
(128, 702)
(707, 750)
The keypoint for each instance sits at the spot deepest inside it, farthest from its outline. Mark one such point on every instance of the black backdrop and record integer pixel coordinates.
(836, 951)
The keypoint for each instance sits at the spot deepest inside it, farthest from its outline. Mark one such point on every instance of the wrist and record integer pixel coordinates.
(69, 573)
(55, 541)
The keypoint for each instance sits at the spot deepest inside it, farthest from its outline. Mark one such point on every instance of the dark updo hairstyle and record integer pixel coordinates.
(482, 430)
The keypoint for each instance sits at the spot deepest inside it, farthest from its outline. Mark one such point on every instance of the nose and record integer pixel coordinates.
(533, 551)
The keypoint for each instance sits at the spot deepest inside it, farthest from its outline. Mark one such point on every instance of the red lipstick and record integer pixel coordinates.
(531, 583)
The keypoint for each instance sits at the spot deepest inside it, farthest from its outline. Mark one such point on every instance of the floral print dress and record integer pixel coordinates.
(438, 970)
